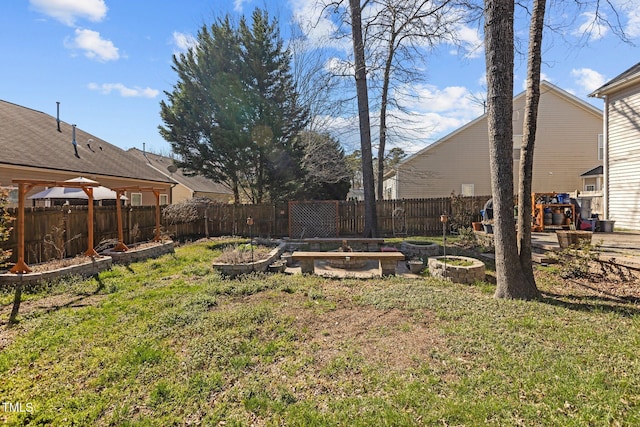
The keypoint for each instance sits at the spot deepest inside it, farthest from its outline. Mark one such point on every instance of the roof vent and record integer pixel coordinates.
(58, 115)
(73, 141)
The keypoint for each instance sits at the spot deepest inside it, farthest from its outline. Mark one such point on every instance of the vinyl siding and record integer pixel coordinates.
(624, 158)
(180, 193)
(566, 146)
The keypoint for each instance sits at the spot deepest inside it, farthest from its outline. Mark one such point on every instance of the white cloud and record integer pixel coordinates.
(125, 92)
(237, 4)
(471, 41)
(588, 79)
(93, 45)
(339, 67)
(184, 41)
(631, 11)
(317, 26)
(455, 100)
(592, 28)
(432, 113)
(68, 11)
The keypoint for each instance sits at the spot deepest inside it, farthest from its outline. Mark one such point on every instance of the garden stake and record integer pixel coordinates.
(250, 224)
(444, 219)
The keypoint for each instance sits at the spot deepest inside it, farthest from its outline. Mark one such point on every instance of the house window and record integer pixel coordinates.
(164, 199)
(600, 147)
(590, 187)
(517, 144)
(13, 195)
(467, 190)
(516, 154)
(136, 199)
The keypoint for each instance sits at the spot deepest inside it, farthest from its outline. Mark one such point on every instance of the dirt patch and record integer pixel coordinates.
(395, 339)
(392, 338)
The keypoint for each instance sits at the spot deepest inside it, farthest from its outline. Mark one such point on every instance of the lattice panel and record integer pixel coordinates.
(313, 219)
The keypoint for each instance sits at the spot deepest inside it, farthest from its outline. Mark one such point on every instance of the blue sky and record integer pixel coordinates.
(108, 62)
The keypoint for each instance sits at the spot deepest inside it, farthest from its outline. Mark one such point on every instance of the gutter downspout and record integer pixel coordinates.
(605, 159)
(397, 189)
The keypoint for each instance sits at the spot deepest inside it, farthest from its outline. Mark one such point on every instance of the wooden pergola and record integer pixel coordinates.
(24, 186)
(120, 246)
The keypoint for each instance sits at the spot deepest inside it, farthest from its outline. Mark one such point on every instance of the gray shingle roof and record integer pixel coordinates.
(195, 183)
(629, 74)
(31, 138)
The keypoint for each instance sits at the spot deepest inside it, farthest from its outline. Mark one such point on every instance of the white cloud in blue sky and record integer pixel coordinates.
(588, 79)
(68, 11)
(183, 41)
(124, 91)
(238, 4)
(93, 45)
(592, 28)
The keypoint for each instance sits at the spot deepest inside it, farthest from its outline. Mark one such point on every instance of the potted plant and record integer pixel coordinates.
(415, 265)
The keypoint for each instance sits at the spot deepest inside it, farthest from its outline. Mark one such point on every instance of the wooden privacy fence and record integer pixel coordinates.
(50, 232)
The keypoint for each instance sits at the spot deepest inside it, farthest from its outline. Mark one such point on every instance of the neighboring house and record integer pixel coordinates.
(37, 146)
(622, 148)
(592, 194)
(566, 146)
(186, 187)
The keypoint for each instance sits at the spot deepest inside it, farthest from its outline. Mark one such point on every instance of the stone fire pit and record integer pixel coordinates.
(458, 269)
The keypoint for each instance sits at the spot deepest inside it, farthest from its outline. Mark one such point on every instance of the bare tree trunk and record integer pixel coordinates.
(370, 215)
(499, 43)
(525, 207)
(383, 117)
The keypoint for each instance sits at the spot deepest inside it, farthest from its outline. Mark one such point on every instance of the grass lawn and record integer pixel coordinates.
(170, 342)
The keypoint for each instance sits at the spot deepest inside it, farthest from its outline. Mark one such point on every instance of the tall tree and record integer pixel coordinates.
(234, 113)
(277, 113)
(328, 176)
(525, 206)
(499, 45)
(370, 214)
(204, 112)
(397, 38)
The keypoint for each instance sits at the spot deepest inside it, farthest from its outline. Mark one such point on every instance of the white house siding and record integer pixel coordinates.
(624, 158)
(566, 146)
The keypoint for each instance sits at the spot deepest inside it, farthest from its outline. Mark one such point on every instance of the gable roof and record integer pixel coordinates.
(31, 138)
(621, 81)
(545, 86)
(195, 183)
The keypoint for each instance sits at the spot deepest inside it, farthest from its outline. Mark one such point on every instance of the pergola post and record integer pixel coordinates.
(21, 267)
(156, 238)
(120, 247)
(91, 252)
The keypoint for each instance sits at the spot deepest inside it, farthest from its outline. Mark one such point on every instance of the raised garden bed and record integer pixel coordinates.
(458, 269)
(568, 238)
(415, 249)
(86, 268)
(141, 252)
(233, 270)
